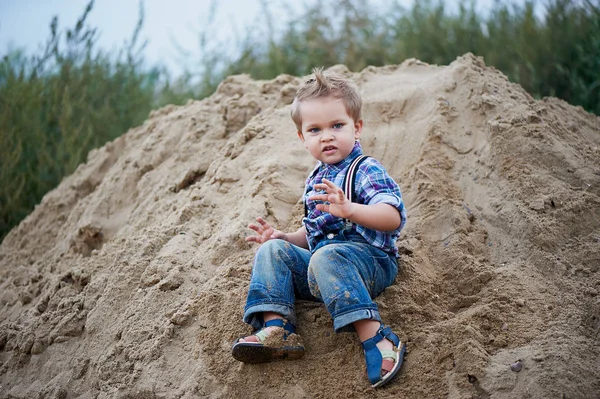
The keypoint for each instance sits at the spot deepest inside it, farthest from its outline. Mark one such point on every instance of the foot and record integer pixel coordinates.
(275, 341)
(384, 353)
(262, 335)
(386, 347)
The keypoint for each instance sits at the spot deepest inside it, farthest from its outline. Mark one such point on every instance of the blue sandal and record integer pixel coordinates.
(374, 357)
(260, 352)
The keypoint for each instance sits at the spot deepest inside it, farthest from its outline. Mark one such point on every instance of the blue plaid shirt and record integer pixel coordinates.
(373, 186)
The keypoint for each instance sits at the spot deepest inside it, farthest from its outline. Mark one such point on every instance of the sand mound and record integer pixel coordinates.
(129, 279)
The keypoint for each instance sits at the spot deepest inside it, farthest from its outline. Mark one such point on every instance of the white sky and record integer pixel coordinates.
(25, 23)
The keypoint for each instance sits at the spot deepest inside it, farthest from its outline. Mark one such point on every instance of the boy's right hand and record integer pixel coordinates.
(264, 231)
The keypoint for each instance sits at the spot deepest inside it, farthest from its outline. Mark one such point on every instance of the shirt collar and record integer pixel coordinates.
(337, 167)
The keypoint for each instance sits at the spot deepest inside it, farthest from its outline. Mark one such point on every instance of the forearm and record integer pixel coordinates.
(381, 217)
(298, 238)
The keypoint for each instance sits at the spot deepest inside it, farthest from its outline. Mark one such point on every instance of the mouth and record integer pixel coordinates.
(329, 148)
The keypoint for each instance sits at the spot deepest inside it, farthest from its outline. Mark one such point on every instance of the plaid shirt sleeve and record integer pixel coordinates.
(374, 185)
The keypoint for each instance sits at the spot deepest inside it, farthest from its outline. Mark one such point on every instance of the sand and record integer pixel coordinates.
(129, 279)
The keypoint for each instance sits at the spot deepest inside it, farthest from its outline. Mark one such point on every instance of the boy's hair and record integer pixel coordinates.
(325, 85)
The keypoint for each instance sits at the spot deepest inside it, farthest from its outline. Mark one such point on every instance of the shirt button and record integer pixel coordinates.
(330, 236)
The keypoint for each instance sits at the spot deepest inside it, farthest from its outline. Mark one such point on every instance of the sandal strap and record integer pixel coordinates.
(382, 333)
(373, 356)
(389, 354)
(286, 325)
(261, 335)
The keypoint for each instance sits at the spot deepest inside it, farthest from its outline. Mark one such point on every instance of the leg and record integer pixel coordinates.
(384, 352)
(278, 272)
(347, 276)
(367, 329)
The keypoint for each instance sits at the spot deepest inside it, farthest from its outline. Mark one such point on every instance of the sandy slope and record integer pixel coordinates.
(129, 279)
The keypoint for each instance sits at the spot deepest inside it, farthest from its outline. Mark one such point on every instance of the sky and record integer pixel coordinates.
(25, 23)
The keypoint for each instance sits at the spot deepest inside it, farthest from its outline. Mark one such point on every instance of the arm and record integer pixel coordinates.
(266, 232)
(381, 216)
(298, 238)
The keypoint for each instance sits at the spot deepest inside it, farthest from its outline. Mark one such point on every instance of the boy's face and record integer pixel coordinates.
(328, 132)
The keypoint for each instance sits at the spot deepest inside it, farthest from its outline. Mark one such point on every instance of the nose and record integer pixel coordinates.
(327, 136)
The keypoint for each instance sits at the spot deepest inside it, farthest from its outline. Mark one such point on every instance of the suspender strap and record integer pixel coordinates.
(349, 184)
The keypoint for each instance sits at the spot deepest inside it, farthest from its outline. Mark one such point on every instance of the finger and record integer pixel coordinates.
(256, 228)
(323, 188)
(253, 239)
(331, 198)
(328, 182)
(263, 222)
(323, 207)
(330, 188)
(319, 197)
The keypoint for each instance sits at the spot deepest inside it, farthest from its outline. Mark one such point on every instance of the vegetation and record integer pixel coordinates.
(58, 105)
(556, 55)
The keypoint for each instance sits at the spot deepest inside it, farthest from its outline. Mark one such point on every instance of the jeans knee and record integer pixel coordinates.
(272, 250)
(323, 268)
(273, 246)
(327, 259)
(271, 259)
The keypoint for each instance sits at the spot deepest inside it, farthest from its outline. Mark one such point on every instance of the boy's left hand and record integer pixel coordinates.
(335, 201)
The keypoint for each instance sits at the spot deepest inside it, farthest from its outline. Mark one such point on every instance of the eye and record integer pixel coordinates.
(338, 126)
(314, 130)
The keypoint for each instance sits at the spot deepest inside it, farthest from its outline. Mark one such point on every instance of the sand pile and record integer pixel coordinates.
(129, 279)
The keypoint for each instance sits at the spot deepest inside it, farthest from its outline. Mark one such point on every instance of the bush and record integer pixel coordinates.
(555, 55)
(58, 106)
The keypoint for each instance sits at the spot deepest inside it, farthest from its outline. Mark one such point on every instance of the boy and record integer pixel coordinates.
(344, 254)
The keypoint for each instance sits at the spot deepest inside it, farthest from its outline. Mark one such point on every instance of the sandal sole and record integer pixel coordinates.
(256, 353)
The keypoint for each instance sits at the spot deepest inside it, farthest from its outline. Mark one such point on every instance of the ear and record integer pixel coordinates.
(358, 125)
(300, 136)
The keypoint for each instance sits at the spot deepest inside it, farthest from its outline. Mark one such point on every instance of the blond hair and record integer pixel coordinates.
(325, 85)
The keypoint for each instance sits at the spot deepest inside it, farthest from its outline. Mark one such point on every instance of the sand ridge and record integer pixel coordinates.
(129, 279)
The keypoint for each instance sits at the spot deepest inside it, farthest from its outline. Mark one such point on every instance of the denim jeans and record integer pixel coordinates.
(345, 272)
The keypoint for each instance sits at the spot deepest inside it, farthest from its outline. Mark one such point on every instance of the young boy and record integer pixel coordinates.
(343, 255)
